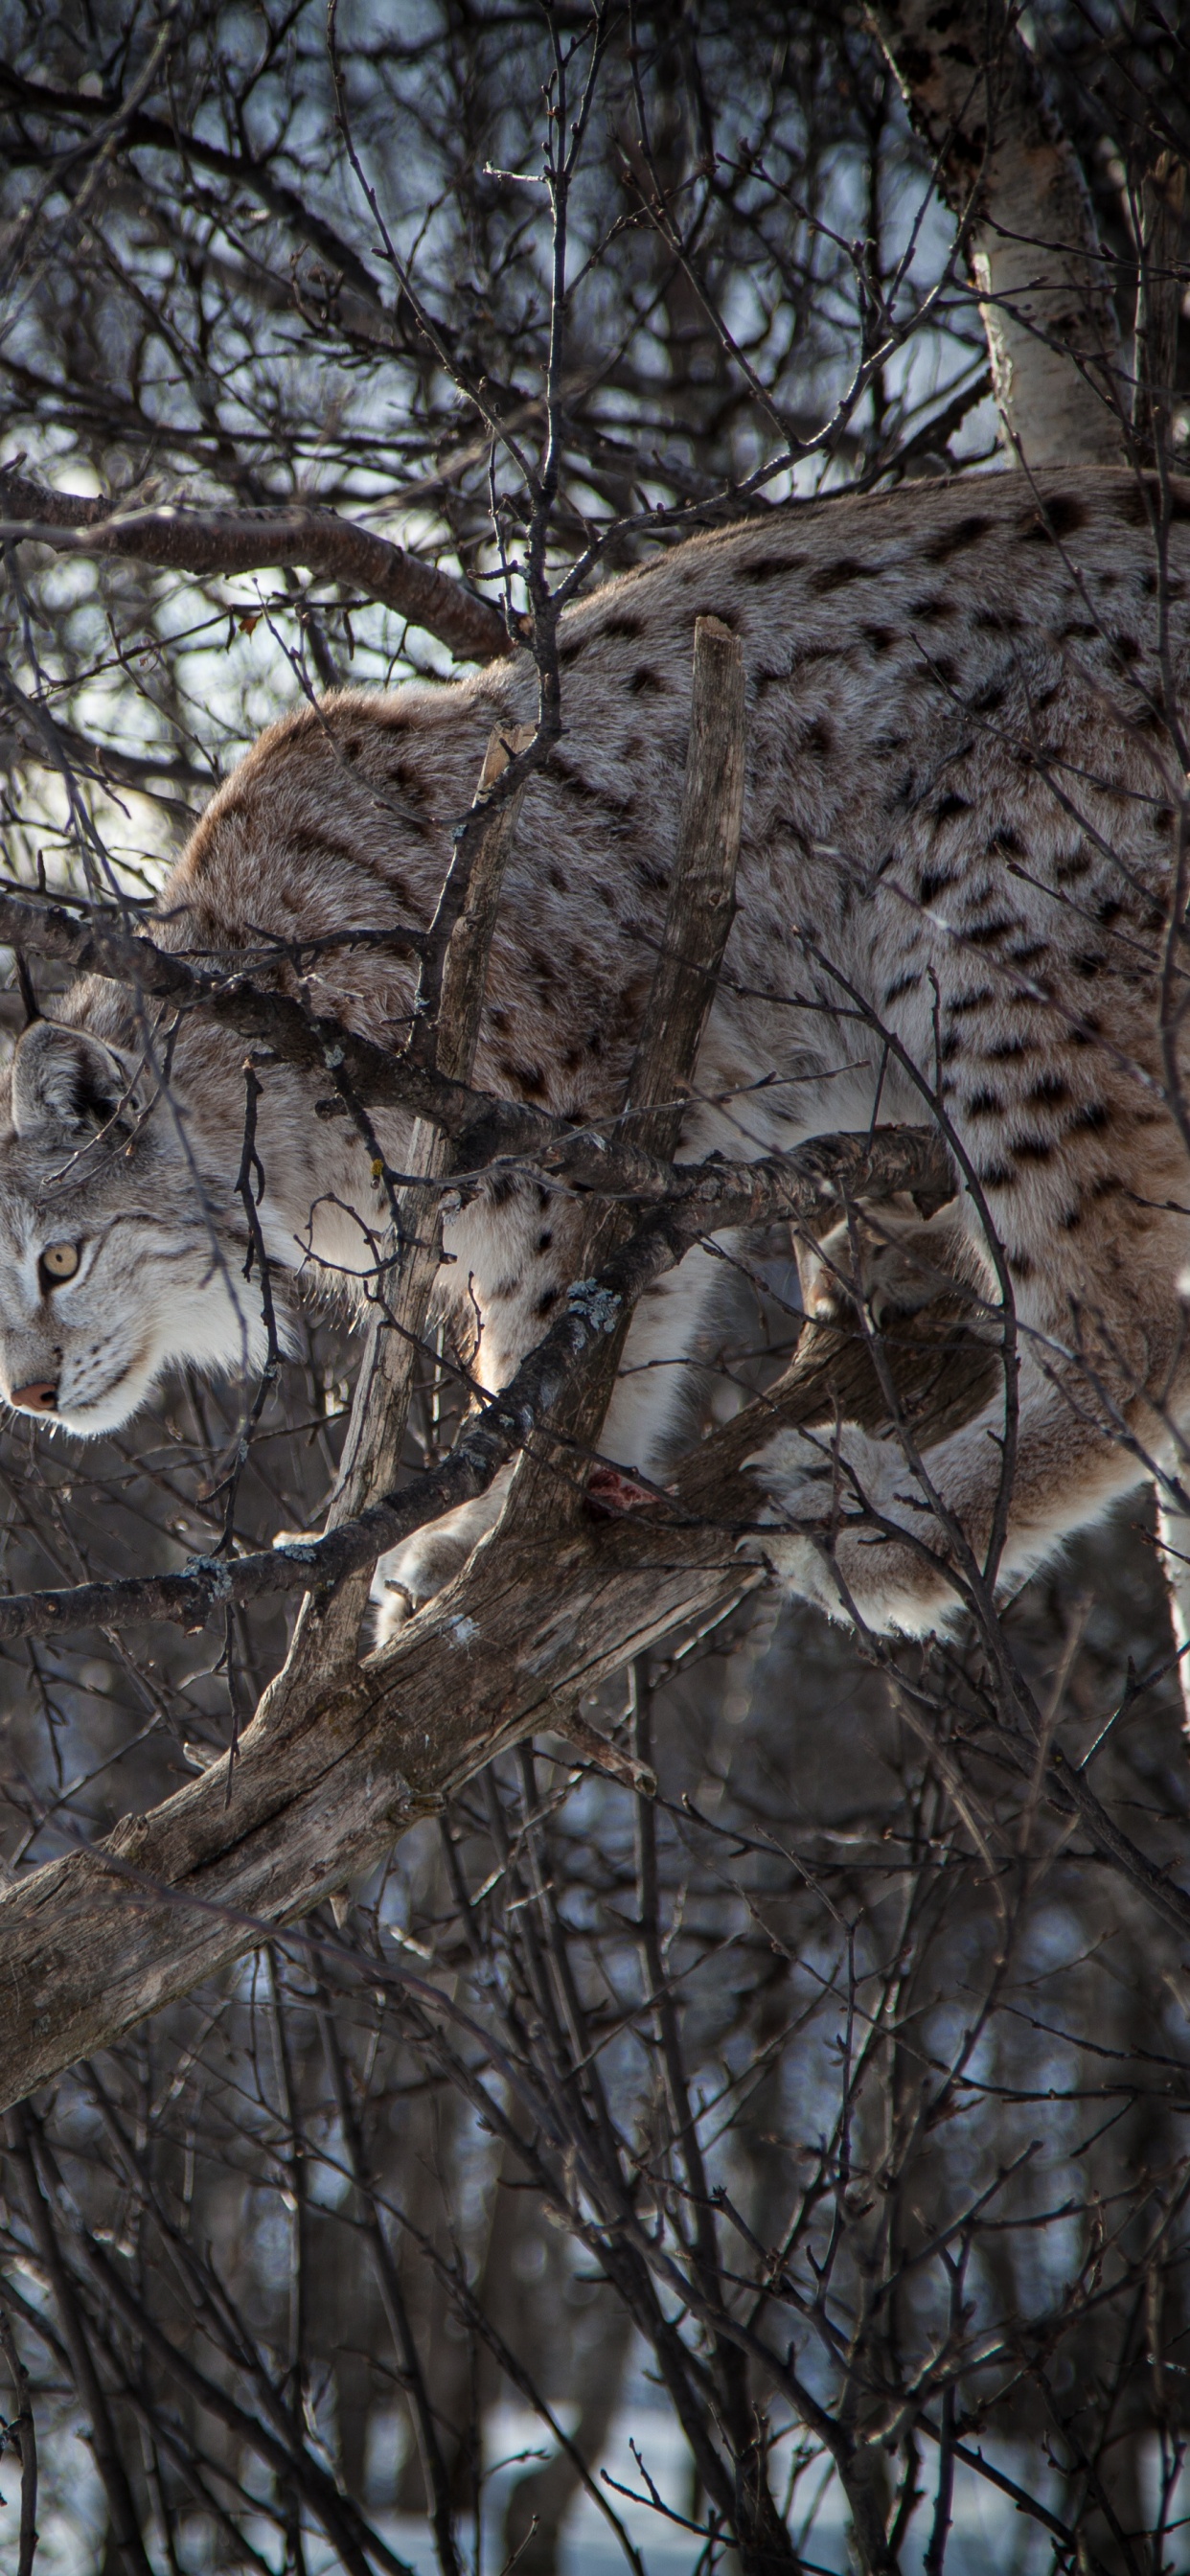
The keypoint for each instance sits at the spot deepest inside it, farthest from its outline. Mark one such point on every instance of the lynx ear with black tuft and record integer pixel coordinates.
(65, 1081)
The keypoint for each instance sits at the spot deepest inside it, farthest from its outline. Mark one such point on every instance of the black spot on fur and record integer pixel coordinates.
(819, 738)
(998, 1176)
(965, 532)
(1020, 1265)
(771, 567)
(402, 774)
(1060, 517)
(881, 638)
(559, 769)
(984, 934)
(1004, 840)
(528, 1079)
(933, 881)
(986, 700)
(646, 683)
(1092, 1120)
(1088, 962)
(624, 621)
(1033, 1149)
(836, 576)
(933, 607)
(950, 804)
(1049, 1087)
(544, 1240)
(651, 874)
(984, 1104)
(904, 984)
(548, 1298)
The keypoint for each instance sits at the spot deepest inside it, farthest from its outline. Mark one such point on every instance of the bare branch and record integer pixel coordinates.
(225, 542)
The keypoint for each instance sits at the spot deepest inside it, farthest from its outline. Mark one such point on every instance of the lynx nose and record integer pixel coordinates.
(40, 1396)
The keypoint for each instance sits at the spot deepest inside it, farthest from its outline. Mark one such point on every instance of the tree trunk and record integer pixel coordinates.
(1007, 169)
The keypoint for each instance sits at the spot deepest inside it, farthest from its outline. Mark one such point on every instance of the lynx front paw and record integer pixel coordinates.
(837, 1503)
(411, 1574)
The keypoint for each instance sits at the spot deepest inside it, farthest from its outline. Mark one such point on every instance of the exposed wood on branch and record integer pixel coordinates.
(1006, 165)
(225, 542)
(698, 915)
(93, 1941)
(1161, 284)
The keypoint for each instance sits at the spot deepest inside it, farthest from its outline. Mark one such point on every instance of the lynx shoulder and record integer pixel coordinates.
(966, 781)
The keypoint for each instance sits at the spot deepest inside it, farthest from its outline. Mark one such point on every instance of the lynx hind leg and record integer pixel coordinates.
(855, 1528)
(854, 1521)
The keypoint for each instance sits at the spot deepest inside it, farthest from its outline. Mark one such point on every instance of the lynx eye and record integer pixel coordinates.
(59, 1261)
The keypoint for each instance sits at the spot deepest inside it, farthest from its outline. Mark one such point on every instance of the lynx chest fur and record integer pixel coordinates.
(965, 776)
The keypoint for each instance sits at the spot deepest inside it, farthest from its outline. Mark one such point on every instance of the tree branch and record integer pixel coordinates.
(214, 541)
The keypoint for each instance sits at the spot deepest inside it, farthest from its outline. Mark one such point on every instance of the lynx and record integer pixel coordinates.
(963, 786)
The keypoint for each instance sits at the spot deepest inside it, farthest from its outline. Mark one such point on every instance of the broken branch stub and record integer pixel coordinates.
(701, 902)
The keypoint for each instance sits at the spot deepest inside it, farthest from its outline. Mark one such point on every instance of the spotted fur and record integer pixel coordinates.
(962, 788)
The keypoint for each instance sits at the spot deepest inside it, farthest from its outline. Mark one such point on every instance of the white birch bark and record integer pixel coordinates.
(976, 96)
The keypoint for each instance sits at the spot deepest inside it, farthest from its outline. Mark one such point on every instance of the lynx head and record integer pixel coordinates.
(115, 1257)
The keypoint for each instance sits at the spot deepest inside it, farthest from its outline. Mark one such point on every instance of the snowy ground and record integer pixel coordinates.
(988, 2538)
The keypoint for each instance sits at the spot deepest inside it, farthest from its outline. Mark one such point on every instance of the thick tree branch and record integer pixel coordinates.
(93, 1941)
(220, 541)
